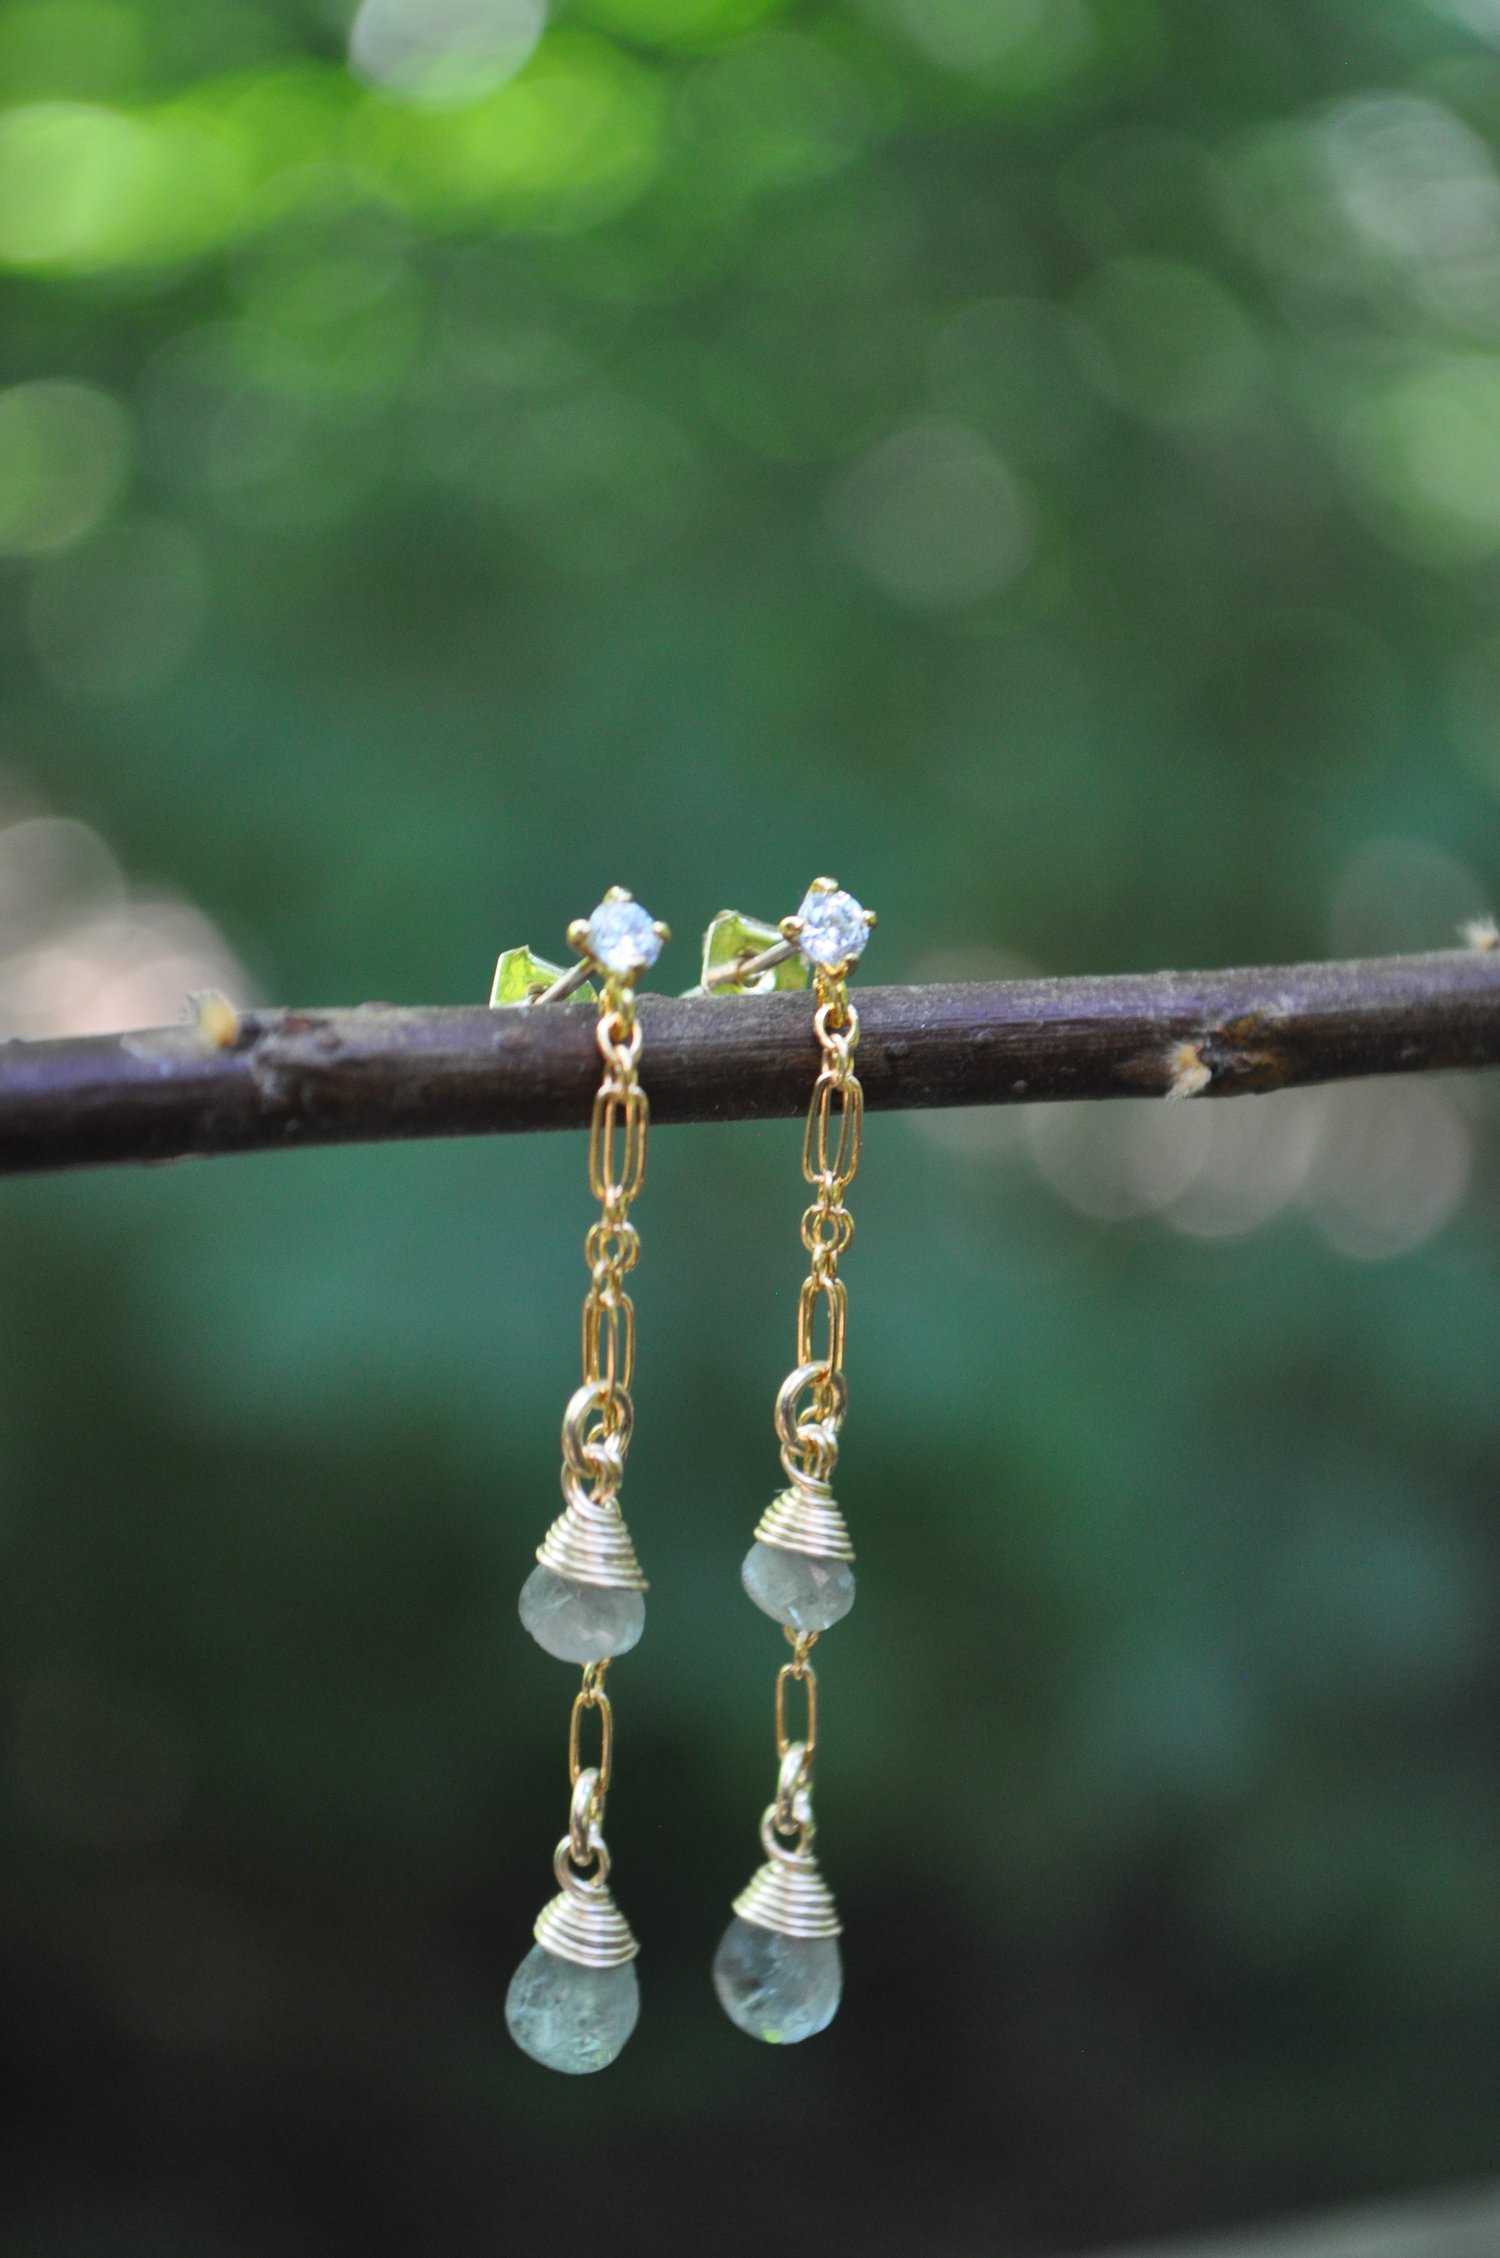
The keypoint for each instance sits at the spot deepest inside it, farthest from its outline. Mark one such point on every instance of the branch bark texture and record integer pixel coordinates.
(281, 1079)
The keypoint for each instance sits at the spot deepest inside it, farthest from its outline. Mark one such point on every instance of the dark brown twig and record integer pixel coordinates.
(276, 1079)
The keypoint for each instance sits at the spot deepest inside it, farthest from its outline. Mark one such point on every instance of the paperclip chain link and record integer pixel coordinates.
(617, 1170)
(830, 1158)
(597, 1424)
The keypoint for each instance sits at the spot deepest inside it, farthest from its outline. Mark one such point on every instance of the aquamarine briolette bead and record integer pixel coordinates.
(795, 1589)
(580, 1622)
(778, 1989)
(569, 2018)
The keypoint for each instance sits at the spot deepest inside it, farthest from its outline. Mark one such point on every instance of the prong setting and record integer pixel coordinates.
(832, 928)
(828, 932)
(618, 941)
(621, 938)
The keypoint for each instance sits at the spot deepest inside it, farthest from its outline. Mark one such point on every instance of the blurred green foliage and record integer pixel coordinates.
(1040, 461)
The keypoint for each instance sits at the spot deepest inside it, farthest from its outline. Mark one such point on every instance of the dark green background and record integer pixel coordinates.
(1042, 464)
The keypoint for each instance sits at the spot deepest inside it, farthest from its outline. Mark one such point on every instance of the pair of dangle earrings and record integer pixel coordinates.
(574, 2000)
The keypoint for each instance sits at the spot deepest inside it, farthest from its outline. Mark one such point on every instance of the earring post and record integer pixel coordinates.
(568, 985)
(746, 968)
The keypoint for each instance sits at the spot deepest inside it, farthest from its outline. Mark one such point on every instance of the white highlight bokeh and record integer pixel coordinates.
(934, 516)
(444, 51)
(81, 954)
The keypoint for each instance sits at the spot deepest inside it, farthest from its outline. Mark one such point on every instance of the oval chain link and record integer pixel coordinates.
(590, 1782)
(806, 1676)
(791, 1812)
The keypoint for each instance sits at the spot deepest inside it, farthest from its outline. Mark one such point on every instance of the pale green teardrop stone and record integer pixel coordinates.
(780, 1989)
(794, 1589)
(580, 1622)
(570, 2018)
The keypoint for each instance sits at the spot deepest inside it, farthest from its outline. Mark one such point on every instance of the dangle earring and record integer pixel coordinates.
(777, 1970)
(574, 2000)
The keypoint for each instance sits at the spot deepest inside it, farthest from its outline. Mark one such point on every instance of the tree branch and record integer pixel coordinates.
(277, 1079)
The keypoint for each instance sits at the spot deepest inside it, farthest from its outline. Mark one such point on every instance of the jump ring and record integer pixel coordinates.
(831, 1385)
(584, 1838)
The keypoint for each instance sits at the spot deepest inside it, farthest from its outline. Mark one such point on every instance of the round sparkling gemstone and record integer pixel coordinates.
(833, 929)
(780, 1989)
(622, 937)
(570, 2018)
(795, 1589)
(580, 1622)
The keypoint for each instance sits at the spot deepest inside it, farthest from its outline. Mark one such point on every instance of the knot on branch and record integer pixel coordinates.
(1237, 1056)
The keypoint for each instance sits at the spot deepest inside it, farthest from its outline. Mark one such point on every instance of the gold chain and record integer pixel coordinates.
(591, 1695)
(596, 1428)
(617, 1170)
(802, 1671)
(793, 1802)
(830, 1158)
(590, 1783)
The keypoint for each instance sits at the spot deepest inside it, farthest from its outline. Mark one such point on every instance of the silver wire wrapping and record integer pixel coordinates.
(589, 1541)
(805, 1517)
(583, 1923)
(788, 1894)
